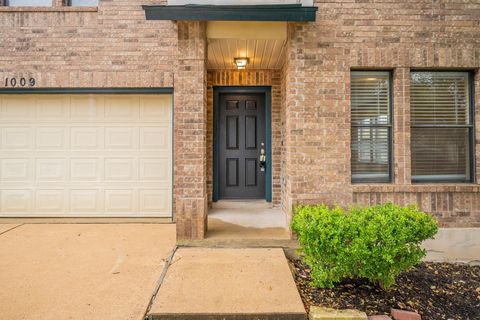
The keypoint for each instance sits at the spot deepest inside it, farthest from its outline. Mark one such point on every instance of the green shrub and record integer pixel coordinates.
(376, 243)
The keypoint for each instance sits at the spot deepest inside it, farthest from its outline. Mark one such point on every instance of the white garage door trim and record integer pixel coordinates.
(66, 153)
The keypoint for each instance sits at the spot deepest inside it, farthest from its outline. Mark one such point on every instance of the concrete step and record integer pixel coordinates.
(259, 316)
(241, 204)
(241, 243)
(251, 217)
(230, 284)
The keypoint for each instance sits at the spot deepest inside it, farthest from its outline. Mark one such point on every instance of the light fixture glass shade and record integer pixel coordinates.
(241, 63)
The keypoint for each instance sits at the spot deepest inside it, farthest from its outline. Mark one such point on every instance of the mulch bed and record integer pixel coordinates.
(435, 290)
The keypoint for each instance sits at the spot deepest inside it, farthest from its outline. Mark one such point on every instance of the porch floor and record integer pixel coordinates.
(250, 224)
(246, 220)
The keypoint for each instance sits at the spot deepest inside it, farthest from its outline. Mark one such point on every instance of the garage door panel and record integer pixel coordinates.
(86, 155)
(150, 109)
(155, 138)
(16, 169)
(123, 138)
(85, 169)
(121, 200)
(155, 169)
(121, 107)
(50, 169)
(16, 138)
(85, 201)
(86, 107)
(50, 138)
(120, 169)
(17, 200)
(154, 200)
(17, 107)
(51, 201)
(52, 107)
(86, 138)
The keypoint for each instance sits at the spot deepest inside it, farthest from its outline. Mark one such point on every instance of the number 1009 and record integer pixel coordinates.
(19, 82)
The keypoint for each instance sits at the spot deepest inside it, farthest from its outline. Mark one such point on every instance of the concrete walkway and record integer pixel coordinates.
(81, 271)
(112, 271)
(206, 283)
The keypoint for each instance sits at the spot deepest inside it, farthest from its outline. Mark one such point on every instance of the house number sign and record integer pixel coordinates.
(19, 82)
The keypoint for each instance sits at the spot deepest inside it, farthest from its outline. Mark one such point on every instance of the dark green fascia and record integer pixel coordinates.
(162, 90)
(289, 12)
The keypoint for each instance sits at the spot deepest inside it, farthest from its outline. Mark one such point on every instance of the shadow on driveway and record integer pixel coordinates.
(81, 271)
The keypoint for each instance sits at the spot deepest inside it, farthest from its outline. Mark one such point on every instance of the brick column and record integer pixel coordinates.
(401, 126)
(190, 129)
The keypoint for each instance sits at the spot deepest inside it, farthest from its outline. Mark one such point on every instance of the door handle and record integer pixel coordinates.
(263, 158)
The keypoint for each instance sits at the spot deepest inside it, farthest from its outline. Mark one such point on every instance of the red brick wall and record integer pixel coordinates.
(115, 46)
(112, 47)
(285, 179)
(395, 35)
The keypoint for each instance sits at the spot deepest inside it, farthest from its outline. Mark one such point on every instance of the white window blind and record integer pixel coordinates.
(28, 3)
(370, 126)
(82, 3)
(441, 126)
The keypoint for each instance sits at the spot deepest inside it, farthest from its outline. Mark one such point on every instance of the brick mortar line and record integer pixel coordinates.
(168, 263)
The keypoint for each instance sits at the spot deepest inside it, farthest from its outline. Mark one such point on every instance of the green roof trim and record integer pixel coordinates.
(281, 12)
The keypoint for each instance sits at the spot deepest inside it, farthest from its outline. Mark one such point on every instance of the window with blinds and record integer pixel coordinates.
(82, 3)
(27, 3)
(441, 127)
(370, 126)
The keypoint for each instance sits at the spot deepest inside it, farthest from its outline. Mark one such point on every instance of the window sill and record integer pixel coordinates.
(48, 9)
(424, 187)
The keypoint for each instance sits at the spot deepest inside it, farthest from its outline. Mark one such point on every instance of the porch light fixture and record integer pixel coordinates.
(241, 63)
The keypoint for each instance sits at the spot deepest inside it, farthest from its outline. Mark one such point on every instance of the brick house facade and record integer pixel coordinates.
(114, 46)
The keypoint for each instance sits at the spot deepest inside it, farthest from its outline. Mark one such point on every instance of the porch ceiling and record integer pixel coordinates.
(262, 42)
(263, 54)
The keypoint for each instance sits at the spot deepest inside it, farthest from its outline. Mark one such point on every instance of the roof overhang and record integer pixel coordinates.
(274, 12)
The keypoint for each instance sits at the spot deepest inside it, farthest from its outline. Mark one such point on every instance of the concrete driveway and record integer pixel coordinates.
(81, 271)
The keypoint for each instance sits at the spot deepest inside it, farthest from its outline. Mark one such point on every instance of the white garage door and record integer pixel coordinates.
(85, 155)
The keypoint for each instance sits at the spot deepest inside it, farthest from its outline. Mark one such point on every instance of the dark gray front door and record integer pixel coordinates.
(241, 137)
